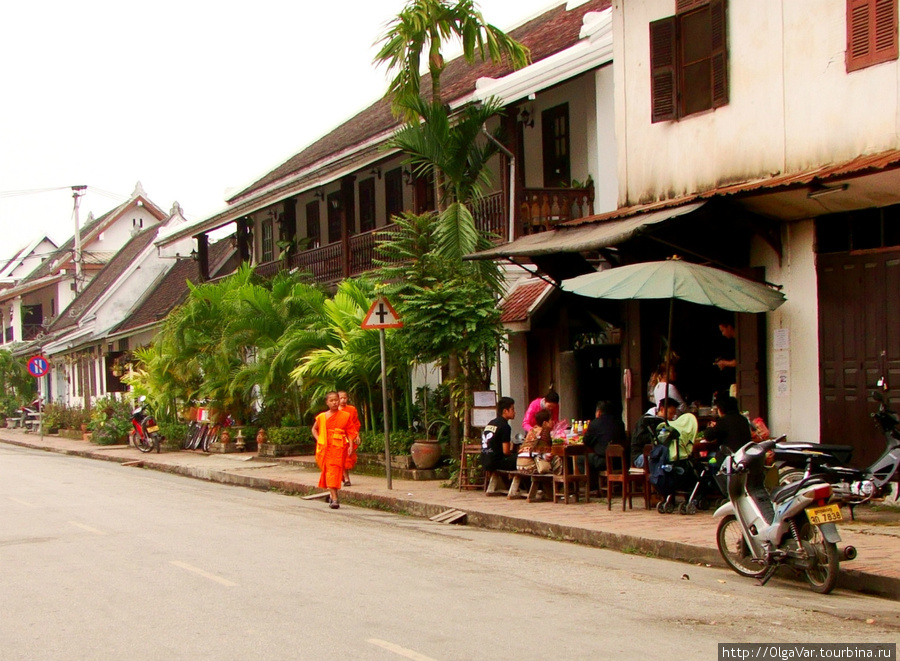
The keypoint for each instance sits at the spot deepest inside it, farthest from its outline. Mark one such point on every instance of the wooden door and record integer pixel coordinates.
(859, 341)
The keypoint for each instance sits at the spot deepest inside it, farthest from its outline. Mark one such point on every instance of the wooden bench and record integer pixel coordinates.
(539, 482)
(32, 422)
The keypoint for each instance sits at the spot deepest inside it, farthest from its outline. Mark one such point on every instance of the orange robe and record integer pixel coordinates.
(352, 434)
(331, 447)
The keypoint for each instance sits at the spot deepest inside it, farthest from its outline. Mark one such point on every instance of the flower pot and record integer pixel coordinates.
(425, 454)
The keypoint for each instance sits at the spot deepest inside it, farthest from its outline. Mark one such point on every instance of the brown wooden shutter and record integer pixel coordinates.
(663, 92)
(683, 6)
(719, 53)
(871, 33)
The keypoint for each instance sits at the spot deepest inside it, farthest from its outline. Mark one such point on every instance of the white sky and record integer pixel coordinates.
(189, 98)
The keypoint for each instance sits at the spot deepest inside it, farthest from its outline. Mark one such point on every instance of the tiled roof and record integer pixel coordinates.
(171, 289)
(549, 33)
(104, 279)
(518, 304)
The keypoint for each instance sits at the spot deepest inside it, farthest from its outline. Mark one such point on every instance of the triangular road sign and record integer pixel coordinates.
(382, 315)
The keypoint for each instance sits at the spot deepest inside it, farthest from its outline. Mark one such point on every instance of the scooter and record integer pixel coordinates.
(146, 432)
(852, 486)
(793, 526)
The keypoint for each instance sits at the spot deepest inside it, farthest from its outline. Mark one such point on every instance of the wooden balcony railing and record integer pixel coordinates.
(491, 216)
(541, 209)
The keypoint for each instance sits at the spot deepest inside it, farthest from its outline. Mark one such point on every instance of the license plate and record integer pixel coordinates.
(152, 429)
(826, 514)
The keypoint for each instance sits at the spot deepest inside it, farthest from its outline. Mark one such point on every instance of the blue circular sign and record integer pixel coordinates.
(38, 366)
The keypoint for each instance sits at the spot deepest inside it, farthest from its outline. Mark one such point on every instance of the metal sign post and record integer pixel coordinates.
(38, 367)
(381, 316)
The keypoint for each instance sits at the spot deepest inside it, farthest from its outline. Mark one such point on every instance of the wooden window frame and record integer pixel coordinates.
(556, 146)
(313, 226)
(667, 86)
(393, 193)
(267, 242)
(871, 33)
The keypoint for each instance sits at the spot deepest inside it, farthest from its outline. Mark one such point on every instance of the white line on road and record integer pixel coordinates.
(88, 528)
(204, 574)
(402, 651)
(22, 502)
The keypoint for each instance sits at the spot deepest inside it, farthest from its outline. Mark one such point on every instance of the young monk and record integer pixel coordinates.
(330, 432)
(352, 434)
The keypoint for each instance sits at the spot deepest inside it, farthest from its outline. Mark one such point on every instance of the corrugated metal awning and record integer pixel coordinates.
(581, 238)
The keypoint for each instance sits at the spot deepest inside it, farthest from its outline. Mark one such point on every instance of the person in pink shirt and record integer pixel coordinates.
(549, 402)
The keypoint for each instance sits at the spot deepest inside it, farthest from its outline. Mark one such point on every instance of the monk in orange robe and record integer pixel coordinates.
(352, 434)
(330, 432)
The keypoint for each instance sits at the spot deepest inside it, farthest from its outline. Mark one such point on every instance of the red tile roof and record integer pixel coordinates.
(549, 33)
(518, 304)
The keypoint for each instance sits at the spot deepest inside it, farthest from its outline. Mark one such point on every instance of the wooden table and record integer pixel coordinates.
(572, 477)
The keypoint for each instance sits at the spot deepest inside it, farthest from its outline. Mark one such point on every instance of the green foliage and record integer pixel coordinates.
(110, 421)
(290, 436)
(433, 412)
(17, 386)
(72, 417)
(52, 415)
(173, 432)
(290, 420)
(373, 442)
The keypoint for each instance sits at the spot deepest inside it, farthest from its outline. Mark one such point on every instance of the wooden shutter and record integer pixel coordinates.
(719, 64)
(663, 91)
(683, 6)
(871, 33)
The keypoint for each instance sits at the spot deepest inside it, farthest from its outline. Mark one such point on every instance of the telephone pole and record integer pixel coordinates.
(77, 192)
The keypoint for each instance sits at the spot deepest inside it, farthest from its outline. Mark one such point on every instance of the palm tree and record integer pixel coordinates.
(424, 26)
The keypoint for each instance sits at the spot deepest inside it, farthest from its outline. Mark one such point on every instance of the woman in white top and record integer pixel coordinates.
(659, 389)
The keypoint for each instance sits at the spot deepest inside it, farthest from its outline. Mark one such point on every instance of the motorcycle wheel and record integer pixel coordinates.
(822, 575)
(789, 475)
(734, 550)
(142, 443)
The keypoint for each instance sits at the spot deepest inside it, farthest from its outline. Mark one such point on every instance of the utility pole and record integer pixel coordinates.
(77, 192)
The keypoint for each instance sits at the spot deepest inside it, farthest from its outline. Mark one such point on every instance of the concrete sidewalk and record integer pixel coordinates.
(876, 534)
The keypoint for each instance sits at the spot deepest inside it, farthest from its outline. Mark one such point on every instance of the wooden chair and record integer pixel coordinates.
(616, 473)
(572, 478)
(470, 474)
(641, 477)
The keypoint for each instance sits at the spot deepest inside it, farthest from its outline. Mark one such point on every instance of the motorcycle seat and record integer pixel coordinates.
(785, 491)
(842, 453)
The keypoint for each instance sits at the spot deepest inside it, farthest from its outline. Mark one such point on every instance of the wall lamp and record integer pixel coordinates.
(407, 177)
(526, 119)
(319, 194)
(375, 172)
(819, 190)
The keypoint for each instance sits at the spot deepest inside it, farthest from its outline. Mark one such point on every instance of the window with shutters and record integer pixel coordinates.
(313, 231)
(689, 60)
(393, 193)
(871, 33)
(555, 142)
(268, 243)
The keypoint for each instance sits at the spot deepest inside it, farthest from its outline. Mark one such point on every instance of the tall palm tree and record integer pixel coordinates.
(424, 26)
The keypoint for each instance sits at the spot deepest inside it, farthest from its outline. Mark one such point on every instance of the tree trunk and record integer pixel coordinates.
(453, 374)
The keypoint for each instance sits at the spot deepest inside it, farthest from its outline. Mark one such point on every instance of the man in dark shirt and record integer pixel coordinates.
(497, 451)
(605, 428)
(732, 429)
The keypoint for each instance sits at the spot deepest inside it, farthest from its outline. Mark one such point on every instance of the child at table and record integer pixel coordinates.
(535, 448)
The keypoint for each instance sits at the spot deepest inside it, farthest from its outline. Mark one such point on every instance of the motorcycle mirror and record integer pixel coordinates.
(142, 399)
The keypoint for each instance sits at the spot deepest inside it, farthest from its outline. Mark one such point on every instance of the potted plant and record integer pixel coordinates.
(433, 428)
(110, 421)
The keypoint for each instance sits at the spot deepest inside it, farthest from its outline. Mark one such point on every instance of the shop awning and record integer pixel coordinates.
(584, 236)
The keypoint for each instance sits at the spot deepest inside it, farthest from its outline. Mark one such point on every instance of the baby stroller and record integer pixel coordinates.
(705, 465)
(671, 467)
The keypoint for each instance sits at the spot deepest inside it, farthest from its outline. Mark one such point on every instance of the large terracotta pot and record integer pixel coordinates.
(425, 454)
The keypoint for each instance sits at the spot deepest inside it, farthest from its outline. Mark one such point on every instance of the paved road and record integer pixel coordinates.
(100, 561)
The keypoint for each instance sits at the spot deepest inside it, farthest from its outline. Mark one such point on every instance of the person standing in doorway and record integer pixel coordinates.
(330, 431)
(352, 434)
(726, 360)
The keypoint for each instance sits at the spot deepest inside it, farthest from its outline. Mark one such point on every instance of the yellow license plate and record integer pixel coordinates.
(150, 430)
(826, 514)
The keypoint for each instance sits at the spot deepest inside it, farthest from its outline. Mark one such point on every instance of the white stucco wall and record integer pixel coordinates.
(602, 157)
(793, 410)
(792, 105)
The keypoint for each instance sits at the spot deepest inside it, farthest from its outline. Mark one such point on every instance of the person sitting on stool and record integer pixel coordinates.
(497, 451)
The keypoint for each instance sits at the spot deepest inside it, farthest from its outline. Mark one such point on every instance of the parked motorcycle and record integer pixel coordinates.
(851, 486)
(146, 432)
(793, 526)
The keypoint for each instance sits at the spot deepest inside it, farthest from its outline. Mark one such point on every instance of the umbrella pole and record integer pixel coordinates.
(669, 353)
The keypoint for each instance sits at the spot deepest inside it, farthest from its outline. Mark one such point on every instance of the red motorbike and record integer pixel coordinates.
(146, 432)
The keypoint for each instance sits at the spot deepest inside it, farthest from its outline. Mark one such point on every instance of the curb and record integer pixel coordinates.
(849, 579)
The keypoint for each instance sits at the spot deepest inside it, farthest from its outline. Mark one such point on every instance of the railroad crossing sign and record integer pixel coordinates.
(381, 315)
(38, 366)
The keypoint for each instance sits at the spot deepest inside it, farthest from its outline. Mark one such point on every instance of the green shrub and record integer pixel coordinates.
(289, 436)
(52, 415)
(110, 421)
(174, 432)
(71, 417)
(290, 420)
(373, 442)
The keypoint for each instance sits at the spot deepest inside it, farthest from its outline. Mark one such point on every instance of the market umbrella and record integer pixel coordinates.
(675, 278)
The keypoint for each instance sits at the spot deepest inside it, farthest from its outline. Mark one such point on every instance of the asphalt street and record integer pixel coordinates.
(102, 561)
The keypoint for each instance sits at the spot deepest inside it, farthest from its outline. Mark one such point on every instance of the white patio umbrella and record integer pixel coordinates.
(675, 278)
